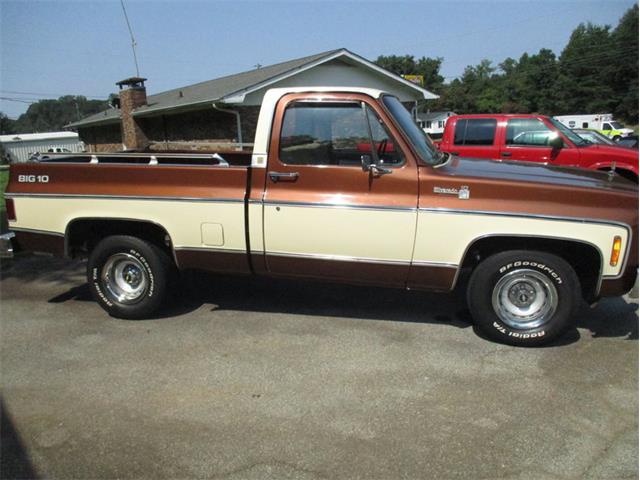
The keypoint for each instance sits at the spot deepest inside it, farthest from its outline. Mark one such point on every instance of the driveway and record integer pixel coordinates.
(269, 379)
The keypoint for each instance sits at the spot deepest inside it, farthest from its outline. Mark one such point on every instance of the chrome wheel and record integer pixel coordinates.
(124, 278)
(525, 299)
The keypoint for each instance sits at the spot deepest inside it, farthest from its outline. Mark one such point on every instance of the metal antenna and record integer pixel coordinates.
(133, 40)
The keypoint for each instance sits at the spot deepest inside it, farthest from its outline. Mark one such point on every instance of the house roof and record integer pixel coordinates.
(233, 88)
(433, 115)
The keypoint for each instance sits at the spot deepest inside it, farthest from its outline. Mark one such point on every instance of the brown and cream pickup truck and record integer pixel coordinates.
(341, 186)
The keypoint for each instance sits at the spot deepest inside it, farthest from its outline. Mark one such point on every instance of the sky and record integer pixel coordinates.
(54, 48)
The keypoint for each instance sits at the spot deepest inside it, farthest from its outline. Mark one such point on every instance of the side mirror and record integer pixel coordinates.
(372, 168)
(367, 162)
(556, 142)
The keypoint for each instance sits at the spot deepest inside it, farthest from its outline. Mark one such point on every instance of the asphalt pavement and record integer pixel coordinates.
(248, 378)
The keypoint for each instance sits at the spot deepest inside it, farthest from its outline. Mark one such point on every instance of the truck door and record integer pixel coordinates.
(607, 129)
(324, 216)
(528, 139)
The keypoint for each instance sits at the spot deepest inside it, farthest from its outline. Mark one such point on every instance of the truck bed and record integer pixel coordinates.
(201, 202)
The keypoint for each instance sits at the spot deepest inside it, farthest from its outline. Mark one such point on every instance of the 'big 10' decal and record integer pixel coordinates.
(33, 178)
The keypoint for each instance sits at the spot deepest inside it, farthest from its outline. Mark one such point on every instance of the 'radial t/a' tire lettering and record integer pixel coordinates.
(128, 276)
(524, 298)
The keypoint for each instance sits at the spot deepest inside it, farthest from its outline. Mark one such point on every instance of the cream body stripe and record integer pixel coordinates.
(385, 235)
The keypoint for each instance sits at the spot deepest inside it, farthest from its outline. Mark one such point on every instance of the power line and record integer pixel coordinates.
(97, 97)
(16, 100)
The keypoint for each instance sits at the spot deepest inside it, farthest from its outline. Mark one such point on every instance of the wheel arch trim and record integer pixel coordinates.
(536, 237)
(67, 231)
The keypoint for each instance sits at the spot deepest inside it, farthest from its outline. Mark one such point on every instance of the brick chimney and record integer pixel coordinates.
(133, 94)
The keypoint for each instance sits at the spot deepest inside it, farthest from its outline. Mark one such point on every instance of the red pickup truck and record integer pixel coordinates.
(533, 138)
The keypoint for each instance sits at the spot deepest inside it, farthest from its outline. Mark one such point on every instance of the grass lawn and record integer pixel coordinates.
(4, 178)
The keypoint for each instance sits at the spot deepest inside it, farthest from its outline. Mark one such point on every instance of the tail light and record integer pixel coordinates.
(11, 209)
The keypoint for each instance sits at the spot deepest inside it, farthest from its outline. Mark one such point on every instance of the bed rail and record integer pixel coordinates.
(137, 158)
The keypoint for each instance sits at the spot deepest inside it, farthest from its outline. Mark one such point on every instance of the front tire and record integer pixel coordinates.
(128, 276)
(523, 298)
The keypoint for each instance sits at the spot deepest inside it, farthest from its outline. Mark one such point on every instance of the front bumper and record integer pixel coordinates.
(6, 247)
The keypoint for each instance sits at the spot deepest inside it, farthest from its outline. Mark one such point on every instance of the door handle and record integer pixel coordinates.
(285, 177)
(505, 154)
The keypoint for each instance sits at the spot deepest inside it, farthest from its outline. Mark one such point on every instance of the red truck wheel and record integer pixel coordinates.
(128, 276)
(523, 298)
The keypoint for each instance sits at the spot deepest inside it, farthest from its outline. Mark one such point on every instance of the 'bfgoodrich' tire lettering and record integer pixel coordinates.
(488, 275)
(155, 263)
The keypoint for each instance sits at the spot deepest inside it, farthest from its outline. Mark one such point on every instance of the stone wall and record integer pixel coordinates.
(106, 138)
(197, 130)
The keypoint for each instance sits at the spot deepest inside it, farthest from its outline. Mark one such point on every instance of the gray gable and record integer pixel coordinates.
(204, 93)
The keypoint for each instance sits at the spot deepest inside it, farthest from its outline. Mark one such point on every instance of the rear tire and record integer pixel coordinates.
(523, 298)
(128, 276)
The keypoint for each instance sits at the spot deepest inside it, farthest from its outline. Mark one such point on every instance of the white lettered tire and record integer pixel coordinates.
(128, 276)
(524, 298)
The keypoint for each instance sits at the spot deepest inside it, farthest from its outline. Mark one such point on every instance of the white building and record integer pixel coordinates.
(433, 122)
(20, 146)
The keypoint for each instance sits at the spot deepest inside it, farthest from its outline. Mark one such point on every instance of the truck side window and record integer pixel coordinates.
(475, 131)
(585, 125)
(528, 131)
(333, 133)
(322, 133)
(606, 126)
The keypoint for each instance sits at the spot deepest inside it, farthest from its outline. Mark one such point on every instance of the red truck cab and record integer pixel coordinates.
(533, 138)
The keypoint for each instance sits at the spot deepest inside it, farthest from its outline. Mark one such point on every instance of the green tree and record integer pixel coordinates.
(7, 126)
(624, 74)
(529, 83)
(428, 67)
(52, 115)
(596, 72)
(582, 86)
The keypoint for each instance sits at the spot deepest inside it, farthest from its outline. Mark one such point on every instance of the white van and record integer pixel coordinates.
(601, 122)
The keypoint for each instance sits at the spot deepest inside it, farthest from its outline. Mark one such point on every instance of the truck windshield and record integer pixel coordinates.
(616, 125)
(415, 135)
(570, 134)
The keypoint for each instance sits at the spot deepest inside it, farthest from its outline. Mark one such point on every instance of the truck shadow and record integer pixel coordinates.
(196, 290)
(612, 317)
